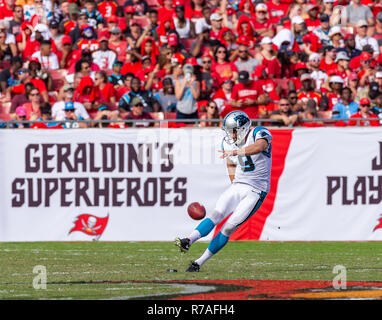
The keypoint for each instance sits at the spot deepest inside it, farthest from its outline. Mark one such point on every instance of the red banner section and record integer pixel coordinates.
(251, 229)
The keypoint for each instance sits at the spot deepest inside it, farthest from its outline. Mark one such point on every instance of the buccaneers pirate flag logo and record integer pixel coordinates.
(90, 225)
(379, 225)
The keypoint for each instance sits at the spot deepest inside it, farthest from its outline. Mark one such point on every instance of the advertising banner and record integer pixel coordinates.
(136, 184)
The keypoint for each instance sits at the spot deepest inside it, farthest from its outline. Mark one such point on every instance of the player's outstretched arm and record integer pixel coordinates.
(255, 148)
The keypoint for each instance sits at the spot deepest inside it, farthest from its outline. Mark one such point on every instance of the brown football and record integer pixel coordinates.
(196, 211)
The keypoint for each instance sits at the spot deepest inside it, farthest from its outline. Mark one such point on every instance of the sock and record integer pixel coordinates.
(205, 256)
(194, 236)
(218, 242)
(205, 227)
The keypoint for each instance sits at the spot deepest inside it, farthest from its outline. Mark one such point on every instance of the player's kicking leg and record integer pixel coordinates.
(224, 206)
(246, 208)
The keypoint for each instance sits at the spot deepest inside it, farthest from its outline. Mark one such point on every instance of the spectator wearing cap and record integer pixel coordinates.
(103, 113)
(88, 40)
(335, 36)
(104, 57)
(20, 115)
(333, 96)
(322, 31)
(313, 20)
(134, 35)
(349, 48)
(31, 75)
(56, 35)
(261, 23)
(320, 77)
(46, 57)
(223, 95)
(284, 114)
(67, 54)
(166, 96)
(367, 72)
(70, 120)
(74, 27)
(299, 69)
(346, 107)
(353, 83)
(267, 56)
(356, 12)
(216, 25)
(246, 95)
(222, 65)
(183, 26)
(67, 95)
(138, 114)
(307, 90)
(116, 77)
(362, 39)
(364, 112)
(342, 61)
(147, 97)
(118, 44)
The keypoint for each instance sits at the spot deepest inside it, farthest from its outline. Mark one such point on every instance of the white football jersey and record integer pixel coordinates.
(254, 170)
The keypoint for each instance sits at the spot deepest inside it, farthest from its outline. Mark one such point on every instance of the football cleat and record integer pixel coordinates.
(194, 267)
(183, 244)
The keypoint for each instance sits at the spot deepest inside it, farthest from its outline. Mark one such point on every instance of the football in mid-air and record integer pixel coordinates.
(196, 211)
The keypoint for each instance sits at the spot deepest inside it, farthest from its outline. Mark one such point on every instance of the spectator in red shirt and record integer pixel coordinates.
(328, 64)
(246, 96)
(364, 112)
(222, 65)
(333, 96)
(307, 91)
(277, 10)
(267, 57)
(313, 21)
(263, 26)
(105, 88)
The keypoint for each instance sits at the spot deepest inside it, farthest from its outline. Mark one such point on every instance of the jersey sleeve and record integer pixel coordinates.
(262, 133)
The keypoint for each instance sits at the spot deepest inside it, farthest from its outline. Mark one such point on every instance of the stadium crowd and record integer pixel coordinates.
(283, 60)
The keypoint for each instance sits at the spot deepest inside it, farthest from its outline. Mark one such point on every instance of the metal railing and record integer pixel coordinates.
(162, 122)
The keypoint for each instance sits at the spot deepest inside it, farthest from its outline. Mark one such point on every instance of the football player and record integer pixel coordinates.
(249, 160)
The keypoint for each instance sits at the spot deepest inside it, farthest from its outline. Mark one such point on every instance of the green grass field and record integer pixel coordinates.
(103, 270)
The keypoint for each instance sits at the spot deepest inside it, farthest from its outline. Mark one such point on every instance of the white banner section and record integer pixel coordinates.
(112, 185)
(331, 187)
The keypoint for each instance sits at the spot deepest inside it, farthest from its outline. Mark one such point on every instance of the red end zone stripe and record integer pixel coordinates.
(252, 229)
